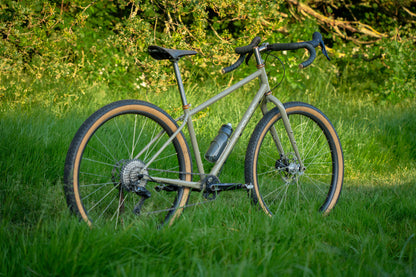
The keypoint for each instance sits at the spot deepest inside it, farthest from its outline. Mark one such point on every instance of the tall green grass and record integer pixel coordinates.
(372, 230)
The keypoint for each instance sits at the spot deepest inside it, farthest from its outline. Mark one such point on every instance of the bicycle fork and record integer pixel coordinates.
(271, 98)
(288, 128)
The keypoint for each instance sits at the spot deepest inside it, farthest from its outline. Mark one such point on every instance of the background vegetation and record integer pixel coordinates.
(61, 60)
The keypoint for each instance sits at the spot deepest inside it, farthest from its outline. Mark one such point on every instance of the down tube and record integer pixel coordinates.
(239, 130)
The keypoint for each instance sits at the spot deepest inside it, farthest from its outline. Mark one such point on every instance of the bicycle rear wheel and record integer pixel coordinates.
(279, 182)
(104, 180)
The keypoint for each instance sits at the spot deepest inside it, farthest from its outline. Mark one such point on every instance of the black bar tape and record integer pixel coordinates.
(312, 56)
(316, 39)
(235, 65)
(245, 49)
(286, 46)
(296, 45)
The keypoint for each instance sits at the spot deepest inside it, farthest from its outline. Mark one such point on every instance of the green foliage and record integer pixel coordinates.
(104, 44)
(104, 41)
(383, 71)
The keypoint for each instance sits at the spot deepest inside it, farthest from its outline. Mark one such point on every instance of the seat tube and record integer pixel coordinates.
(185, 107)
(180, 83)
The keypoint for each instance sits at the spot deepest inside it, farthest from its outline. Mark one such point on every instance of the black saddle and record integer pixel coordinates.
(160, 53)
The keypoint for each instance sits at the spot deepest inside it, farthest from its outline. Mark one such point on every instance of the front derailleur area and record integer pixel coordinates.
(213, 187)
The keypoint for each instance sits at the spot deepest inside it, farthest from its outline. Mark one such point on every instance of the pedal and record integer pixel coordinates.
(230, 186)
(248, 186)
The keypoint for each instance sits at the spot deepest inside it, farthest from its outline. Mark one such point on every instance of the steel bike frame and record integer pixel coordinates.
(262, 96)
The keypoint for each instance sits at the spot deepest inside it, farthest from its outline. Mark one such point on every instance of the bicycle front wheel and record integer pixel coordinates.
(104, 177)
(280, 184)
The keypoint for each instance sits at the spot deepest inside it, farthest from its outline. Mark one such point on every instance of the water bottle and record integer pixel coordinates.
(219, 143)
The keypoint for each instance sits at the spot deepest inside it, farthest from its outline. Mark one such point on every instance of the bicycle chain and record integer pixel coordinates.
(179, 172)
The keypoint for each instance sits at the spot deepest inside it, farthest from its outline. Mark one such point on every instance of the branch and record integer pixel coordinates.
(409, 12)
(352, 26)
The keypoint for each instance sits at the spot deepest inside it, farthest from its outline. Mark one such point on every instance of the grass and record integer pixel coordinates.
(370, 232)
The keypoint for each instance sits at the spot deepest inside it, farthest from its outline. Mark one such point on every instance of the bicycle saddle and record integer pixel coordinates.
(160, 53)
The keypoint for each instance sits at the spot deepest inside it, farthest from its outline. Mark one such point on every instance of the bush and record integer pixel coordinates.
(105, 42)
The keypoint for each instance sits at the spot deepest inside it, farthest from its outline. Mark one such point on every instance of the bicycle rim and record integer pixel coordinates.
(105, 183)
(279, 183)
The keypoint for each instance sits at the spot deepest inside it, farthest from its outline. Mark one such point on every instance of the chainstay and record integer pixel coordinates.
(178, 172)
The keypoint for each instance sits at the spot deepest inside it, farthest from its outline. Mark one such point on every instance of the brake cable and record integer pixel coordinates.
(283, 66)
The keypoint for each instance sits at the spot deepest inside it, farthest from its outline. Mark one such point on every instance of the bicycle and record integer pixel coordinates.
(130, 159)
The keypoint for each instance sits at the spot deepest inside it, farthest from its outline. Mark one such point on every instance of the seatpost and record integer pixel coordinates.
(179, 81)
(191, 129)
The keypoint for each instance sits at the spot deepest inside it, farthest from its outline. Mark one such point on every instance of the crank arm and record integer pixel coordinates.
(228, 186)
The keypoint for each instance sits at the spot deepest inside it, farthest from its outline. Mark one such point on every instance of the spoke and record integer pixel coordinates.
(285, 188)
(100, 199)
(97, 184)
(98, 162)
(146, 155)
(146, 148)
(300, 189)
(121, 135)
(140, 135)
(106, 208)
(121, 201)
(277, 189)
(99, 188)
(315, 142)
(93, 174)
(320, 153)
(302, 126)
(319, 174)
(314, 183)
(164, 158)
(318, 163)
(273, 170)
(168, 170)
(154, 146)
(105, 147)
(134, 137)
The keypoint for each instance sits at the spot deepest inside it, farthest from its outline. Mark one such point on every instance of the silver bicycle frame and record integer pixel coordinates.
(262, 96)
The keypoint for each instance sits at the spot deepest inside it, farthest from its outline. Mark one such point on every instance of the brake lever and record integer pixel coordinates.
(248, 57)
(318, 40)
(324, 49)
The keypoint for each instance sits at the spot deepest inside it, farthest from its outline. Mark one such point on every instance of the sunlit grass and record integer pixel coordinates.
(371, 231)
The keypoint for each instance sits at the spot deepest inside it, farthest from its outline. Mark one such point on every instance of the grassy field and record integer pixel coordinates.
(371, 232)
